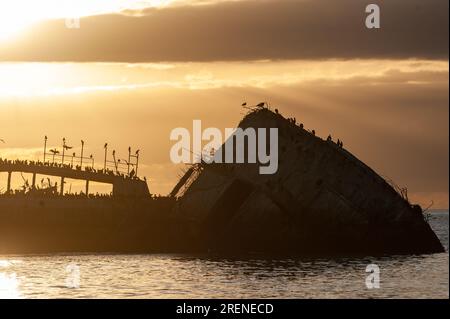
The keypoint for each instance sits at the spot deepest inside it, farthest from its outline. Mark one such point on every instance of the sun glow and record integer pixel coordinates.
(46, 79)
(17, 15)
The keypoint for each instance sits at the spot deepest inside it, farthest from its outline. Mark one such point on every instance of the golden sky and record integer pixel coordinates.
(135, 70)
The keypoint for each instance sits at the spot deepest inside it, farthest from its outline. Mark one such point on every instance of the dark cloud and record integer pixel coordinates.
(245, 30)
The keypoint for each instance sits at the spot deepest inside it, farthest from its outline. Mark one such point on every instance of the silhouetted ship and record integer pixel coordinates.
(322, 200)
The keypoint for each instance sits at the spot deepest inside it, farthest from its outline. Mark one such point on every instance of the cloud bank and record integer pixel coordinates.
(243, 31)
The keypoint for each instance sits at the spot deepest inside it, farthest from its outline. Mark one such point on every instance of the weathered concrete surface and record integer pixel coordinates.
(42, 224)
(322, 200)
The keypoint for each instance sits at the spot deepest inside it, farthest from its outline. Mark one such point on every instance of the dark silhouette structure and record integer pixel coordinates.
(122, 185)
(321, 201)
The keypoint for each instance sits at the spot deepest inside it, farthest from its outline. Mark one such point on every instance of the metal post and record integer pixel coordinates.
(87, 187)
(129, 159)
(64, 149)
(45, 146)
(106, 154)
(137, 162)
(82, 151)
(33, 184)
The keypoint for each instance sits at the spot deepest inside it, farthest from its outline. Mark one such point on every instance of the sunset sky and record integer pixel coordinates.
(135, 70)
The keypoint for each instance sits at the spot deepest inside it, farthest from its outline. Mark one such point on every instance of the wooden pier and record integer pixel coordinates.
(122, 185)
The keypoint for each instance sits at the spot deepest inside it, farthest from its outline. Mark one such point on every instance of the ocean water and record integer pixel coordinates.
(187, 276)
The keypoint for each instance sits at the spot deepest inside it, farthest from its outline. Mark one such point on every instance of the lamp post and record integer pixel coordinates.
(45, 146)
(73, 155)
(106, 155)
(137, 162)
(82, 152)
(64, 150)
(129, 159)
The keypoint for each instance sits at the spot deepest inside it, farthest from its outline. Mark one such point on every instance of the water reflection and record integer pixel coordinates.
(9, 286)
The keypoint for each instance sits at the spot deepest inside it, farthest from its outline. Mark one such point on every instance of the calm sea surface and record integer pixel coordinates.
(187, 276)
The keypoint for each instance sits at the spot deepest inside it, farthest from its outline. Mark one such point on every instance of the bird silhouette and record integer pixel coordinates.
(3, 141)
(244, 104)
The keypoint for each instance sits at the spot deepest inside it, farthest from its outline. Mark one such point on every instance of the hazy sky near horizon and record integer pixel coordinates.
(135, 70)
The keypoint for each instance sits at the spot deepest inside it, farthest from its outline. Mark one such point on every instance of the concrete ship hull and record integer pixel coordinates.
(48, 225)
(322, 200)
(81, 225)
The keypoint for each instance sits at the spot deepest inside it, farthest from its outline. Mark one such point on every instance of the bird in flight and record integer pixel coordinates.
(3, 141)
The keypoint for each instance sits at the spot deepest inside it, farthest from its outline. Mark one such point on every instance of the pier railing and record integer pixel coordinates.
(123, 184)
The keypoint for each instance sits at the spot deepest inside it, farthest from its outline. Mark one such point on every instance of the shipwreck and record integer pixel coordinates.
(322, 200)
